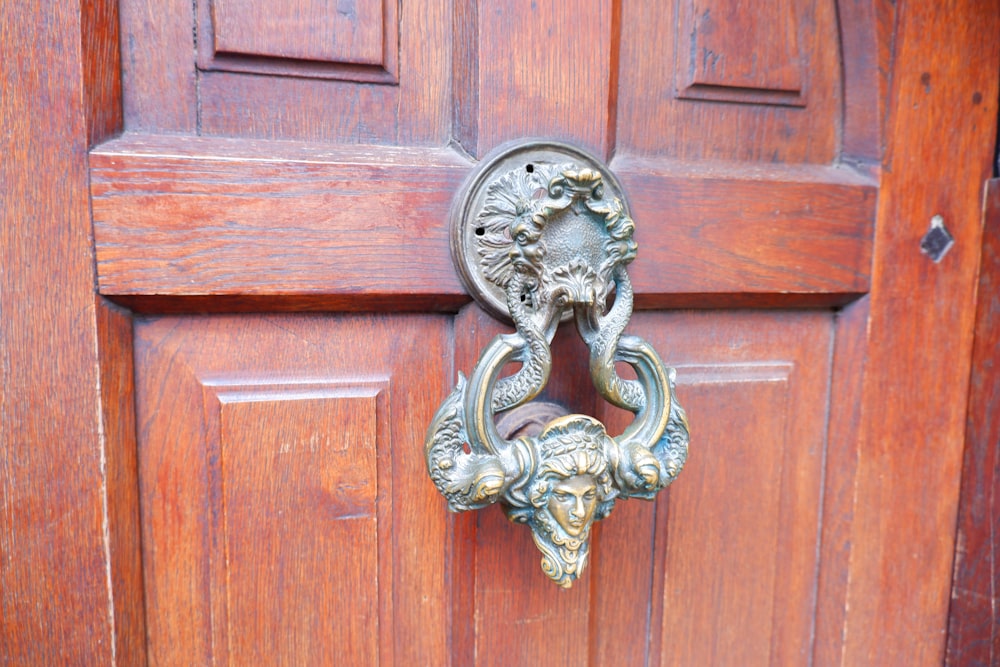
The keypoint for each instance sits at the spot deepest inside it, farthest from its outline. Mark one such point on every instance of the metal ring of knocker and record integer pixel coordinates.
(541, 232)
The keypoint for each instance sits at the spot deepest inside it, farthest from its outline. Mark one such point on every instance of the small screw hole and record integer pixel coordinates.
(530, 168)
(480, 231)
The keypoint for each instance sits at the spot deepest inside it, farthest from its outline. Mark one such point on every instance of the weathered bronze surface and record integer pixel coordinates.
(541, 233)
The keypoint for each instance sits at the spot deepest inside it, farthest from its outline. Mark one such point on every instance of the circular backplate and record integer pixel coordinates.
(505, 174)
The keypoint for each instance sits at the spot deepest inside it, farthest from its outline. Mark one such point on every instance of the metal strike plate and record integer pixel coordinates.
(541, 233)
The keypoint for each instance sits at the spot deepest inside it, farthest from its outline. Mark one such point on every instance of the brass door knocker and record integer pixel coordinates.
(541, 233)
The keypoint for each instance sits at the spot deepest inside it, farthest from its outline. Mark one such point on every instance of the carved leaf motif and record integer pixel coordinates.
(508, 199)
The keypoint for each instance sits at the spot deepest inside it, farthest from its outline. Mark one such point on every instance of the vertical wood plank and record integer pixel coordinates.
(622, 569)
(158, 71)
(101, 68)
(974, 617)
(114, 330)
(920, 333)
(541, 69)
(866, 41)
(838, 486)
(55, 599)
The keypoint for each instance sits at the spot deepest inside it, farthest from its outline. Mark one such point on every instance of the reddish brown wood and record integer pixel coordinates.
(222, 401)
(868, 35)
(293, 506)
(186, 218)
(838, 489)
(358, 227)
(622, 567)
(465, 75)
(624, 581)
(159, 82)
(414, 112)
(166, 92)
(705, 228)
(726, 53)
(920, 334)
(652, 120)
(884, 562)
(974, 619)
(114, 346)
(101, 68)
(736, 559)
(541, 69)
(305, 38)
(56, 600)
(299, 30)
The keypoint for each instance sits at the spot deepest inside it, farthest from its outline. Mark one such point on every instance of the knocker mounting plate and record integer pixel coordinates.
(541, 233)
(513, 183)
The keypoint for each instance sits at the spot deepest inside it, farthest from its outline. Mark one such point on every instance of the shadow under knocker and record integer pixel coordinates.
(541, 233)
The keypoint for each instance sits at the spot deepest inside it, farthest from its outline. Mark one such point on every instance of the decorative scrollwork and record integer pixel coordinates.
(550, 232)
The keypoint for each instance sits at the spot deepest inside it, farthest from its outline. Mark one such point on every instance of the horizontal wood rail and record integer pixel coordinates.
(212, 223)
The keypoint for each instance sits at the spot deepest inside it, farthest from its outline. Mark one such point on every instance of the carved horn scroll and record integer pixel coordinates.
(541, 233)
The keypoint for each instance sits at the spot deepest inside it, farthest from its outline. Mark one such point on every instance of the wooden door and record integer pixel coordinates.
(277, 318)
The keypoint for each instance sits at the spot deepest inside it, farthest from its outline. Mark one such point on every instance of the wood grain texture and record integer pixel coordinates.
(102, 82)
(114, 346)
(403, 100)
(55, 585)
(359, 225)
(867, 39)
(974, 615)
(848, 367)
(413, 111)
(300, 30)
(159, 82)
(534, 69)
(730, 572)
(187, 218)
(305, 38)
(727, 53)
(187, 368)
(736, 536)
(920, 333)
(294, 481)
(652, 120)
(728, 228)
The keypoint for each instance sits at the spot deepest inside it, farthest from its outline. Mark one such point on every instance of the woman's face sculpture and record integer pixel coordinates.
(572, 502)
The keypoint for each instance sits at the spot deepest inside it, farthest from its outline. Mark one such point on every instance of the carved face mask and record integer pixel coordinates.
(572, 503)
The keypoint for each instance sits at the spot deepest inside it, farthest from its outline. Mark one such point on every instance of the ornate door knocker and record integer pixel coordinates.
(541, 233)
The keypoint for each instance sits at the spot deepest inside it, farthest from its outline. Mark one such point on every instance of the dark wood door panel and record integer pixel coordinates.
(239, 68)
(720, 569)
(778, 61)
(737, 541)
(287, 518)
(641, 78)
